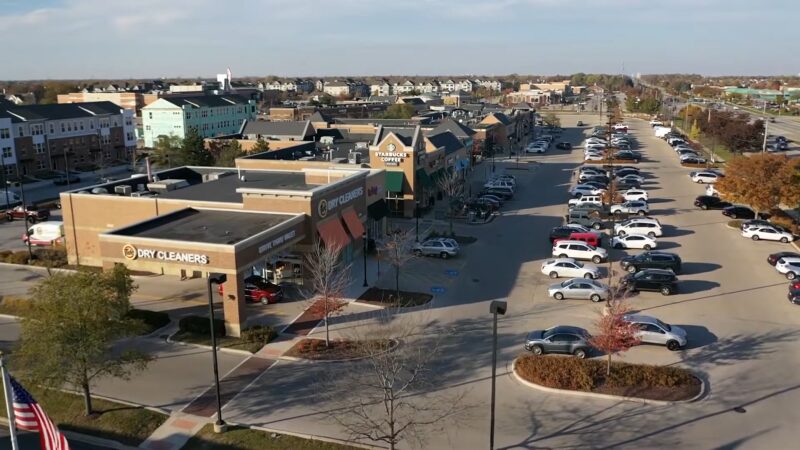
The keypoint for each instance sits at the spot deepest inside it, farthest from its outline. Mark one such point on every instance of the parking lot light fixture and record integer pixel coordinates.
(496, 307)
(218, 279)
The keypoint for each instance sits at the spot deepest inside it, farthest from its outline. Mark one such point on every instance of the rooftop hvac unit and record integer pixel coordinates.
(123, 190)
(139, 188)
(99, 191)
(143, 194)
(167, 185)
(214, 176)
(354, 158)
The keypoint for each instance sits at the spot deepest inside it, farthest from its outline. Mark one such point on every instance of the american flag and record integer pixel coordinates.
(29, 416)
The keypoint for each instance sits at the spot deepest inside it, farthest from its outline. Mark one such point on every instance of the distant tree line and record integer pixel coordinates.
(172, 151)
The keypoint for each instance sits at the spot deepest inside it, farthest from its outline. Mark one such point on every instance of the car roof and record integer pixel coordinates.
(559, 260)
(566, 329)
(659, 271)
(572, 241)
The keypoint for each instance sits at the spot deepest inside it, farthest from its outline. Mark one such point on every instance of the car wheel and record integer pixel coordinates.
(537, 350)
(558, 296)
(618, 212)
(641, 212)
(673, 345)
(597, 259)
(648, 247)
(651, 235)
(791, 275)
(9, 217)
(631, 269)
(418, 252)
(618, 245)
(666, 290)
(589, 276)
(580, 353)
(595, 298)
(755, 237)
(704, 207)
(784, 240)
(264, 300)
(733, 216)
(621, 233)
(553, 274)
(563, 255)
(32, 220)
(597, 225)
(444, 255)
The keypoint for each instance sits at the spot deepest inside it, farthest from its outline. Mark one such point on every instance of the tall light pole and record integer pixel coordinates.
(215, 278)
(364, 238)
(496, 307)
(25, 219)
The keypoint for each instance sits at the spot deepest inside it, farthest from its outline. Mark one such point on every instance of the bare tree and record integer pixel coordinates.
(452, 186)
(390, 392)
(329, 279)
(396, 249)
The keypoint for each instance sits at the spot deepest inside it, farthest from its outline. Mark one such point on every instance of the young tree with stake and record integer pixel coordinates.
(452, 186)
(329, 280)
(396, 250)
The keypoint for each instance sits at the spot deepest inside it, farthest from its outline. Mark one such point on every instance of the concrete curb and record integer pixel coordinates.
(87, 439)
(311, 437)
(154, 409)
(232, 351)
(701, 394)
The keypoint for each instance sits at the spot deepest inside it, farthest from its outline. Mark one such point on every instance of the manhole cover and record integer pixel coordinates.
(740, 410)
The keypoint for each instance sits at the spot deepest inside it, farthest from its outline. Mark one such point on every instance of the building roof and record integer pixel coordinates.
(447, 140)
(62, 111)
(502, 118)
(319, 116)
(523, 106)
(205, 101)
(405, 134)
(457, 128)
(204, 225)
(265, 128)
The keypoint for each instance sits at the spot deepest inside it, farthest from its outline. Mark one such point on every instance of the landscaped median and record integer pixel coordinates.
(241, 438)
(195, 330)
(338, 350)
(119, 422)
(588, 377)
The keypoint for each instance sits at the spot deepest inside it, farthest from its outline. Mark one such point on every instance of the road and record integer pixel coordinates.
(742, 332)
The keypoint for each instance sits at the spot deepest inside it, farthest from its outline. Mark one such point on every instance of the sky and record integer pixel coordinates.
(81, 39)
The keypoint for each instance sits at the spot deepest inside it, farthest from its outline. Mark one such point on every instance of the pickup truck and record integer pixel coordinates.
(32, 213)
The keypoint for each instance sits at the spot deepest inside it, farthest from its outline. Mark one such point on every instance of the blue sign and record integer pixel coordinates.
(451, 272)
(438, 290)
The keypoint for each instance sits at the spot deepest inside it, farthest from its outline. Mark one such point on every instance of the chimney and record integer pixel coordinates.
(149, 170)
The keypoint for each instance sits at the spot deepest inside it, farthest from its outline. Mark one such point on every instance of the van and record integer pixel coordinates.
(45, 233)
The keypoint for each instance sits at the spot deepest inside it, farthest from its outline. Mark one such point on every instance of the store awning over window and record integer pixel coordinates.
(353, 222)
(424, 178)
(394, 181)
(332, 233)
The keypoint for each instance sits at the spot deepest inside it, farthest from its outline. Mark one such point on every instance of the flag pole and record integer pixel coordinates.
(12, 428)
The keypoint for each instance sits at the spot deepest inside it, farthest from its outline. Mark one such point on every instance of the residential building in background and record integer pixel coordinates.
(211, 115)
(125, 100)
(65, 136)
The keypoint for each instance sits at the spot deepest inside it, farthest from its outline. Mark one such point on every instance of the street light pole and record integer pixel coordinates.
(364, 238)
(496, 307)
(215, 278)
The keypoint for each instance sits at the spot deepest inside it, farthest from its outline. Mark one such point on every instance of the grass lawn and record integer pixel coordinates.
(223, 341)
(126, 424)
(245, 439)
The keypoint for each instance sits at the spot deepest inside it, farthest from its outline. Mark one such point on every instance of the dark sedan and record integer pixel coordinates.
(652, 260)
(561, 339)
(710, 202)
(659, 280)
(739, 212)
(794, 297)
(773, 258)
(627, 184)
(627, 156)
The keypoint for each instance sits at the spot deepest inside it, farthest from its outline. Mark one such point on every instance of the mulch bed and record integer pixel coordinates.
(388, 297)
(664, 383)
(315, 349)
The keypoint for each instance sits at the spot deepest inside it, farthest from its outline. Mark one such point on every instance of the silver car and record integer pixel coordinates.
(654, 331)
(579, 288)
(435, 247)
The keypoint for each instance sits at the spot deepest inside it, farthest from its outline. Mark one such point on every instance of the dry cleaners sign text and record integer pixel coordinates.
(333, 203)
(130, 252)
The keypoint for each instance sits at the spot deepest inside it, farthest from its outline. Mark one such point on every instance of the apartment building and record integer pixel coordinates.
(211, 115)
(125, 100)
(61, 136)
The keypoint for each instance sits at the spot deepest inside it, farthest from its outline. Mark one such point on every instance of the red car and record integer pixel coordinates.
(33, 213)
(257, 289)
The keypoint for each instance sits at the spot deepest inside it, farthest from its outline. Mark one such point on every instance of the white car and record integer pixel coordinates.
(535, 149)
(705, 177)
(646, 228)
(569, 268)
(591, 171)
(505, 178)
(631, 207)
(585, 189)
(789, 266)
(634, 241)
(767, 234)
(579, 250)
(635, 194)
(632, 177)
(593, 157)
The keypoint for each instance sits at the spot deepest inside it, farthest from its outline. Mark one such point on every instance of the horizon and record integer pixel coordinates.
(77, 40)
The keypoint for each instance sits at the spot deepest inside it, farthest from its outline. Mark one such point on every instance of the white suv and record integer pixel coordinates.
(631, 207)
(593, 199)
(705, 177)
(579, 250)
(635, 194)
(649, 227)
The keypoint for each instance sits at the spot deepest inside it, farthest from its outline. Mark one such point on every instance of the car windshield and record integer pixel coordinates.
(663, 325)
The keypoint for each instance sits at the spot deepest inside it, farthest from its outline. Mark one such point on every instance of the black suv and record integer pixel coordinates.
(710, 202)
(660, 280)
(560, 233)
(651, 260)
(739, 212)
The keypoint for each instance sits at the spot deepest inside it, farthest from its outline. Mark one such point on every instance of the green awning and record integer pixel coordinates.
(423, 177)
(394, 181)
